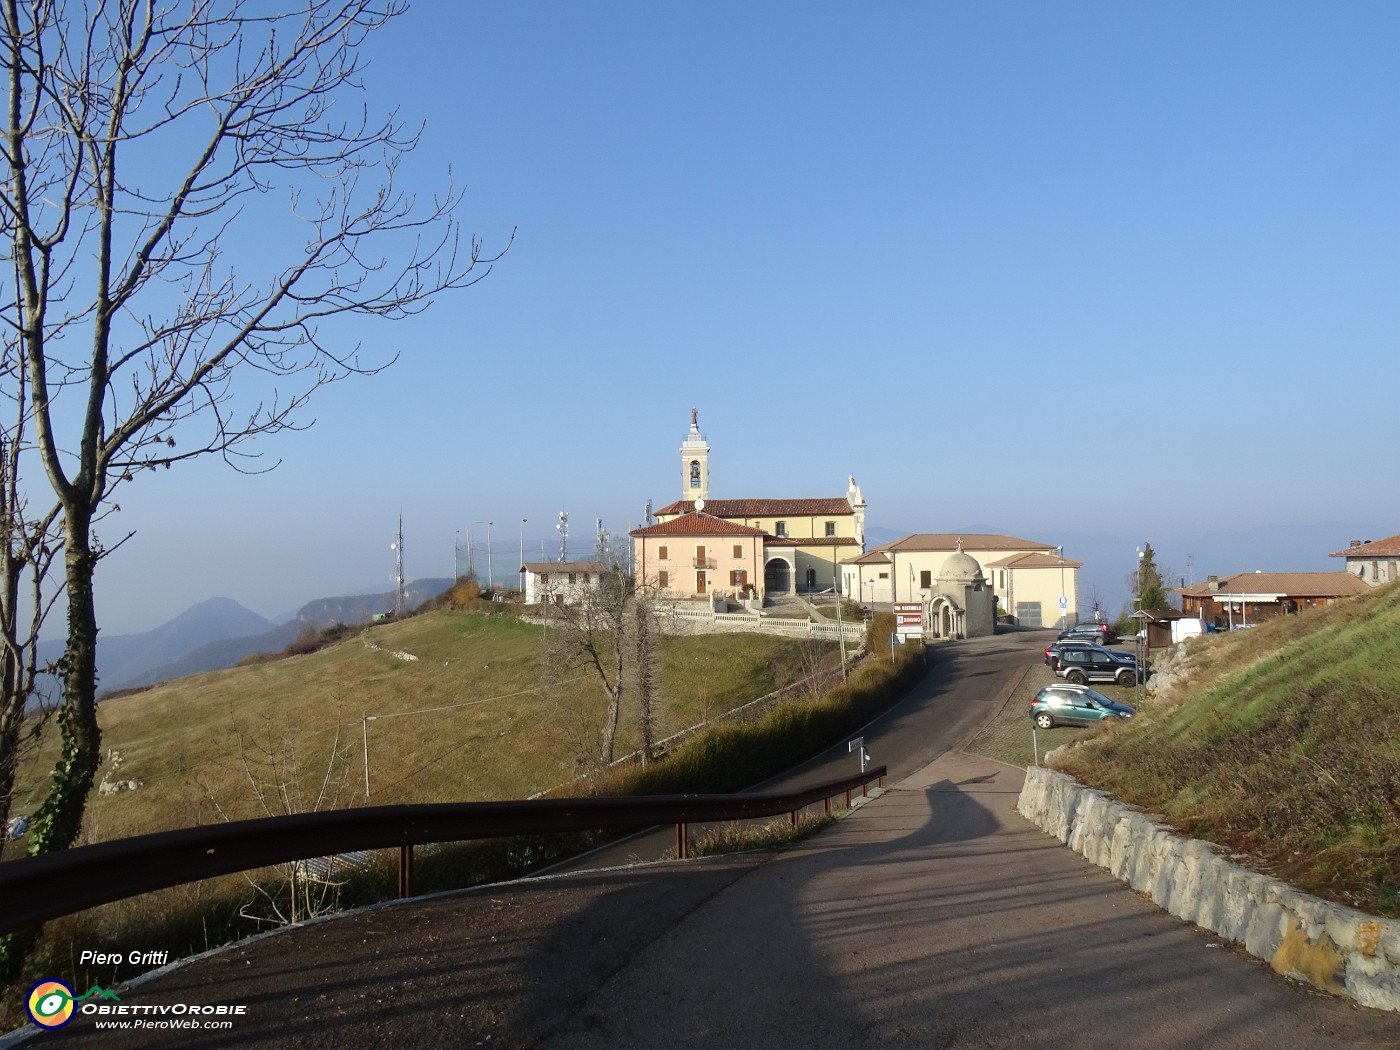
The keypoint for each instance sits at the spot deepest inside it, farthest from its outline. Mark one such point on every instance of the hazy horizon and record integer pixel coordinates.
(963, 252)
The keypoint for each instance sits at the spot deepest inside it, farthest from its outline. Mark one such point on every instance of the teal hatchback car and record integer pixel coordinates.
(1074, 705)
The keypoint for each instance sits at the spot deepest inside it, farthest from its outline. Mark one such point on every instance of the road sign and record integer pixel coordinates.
(909, 617)
(1064, 603)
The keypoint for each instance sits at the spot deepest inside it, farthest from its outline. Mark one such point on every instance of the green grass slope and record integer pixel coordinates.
(1283, 744)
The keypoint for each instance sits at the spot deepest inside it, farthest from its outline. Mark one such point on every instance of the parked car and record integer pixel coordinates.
(1096, 664)
(1074, 705)
(1054, 649)
(1091, 632)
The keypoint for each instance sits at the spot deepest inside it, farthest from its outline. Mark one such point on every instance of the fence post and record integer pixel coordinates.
(682, 845)
(406, 870)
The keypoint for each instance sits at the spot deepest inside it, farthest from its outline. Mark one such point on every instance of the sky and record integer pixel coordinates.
(1090, 274)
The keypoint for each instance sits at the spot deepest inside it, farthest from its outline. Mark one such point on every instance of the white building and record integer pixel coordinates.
(560, 582)
(1374, 561)
(1032, 581)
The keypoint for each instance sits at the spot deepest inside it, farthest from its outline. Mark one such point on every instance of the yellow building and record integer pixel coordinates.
(773, 546)
(1031, 581)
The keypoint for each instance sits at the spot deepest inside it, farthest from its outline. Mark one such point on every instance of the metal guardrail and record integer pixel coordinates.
(36, 889)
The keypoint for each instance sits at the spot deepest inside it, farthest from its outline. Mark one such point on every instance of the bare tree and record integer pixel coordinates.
(139, 139)
(611, 635)
(28, 548)
(587, 631)
(285, 776)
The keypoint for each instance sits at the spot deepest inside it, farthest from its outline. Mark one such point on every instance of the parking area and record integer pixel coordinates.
(1010, 737)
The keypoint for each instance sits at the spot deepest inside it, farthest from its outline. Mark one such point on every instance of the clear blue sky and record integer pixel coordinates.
(966, 252)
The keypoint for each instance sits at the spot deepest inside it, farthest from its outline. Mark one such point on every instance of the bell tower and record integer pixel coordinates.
(695, 462)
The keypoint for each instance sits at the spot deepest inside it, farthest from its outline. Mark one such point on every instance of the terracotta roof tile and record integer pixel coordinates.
(813, 541)
(1297, 584)
(763, 508)
(1386, 548)
(538, 567)
(1035, 560)
(692, 524)
(971, 541)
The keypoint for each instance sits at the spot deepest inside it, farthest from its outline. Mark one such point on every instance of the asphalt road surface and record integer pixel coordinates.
(967, 681)
(931, 916)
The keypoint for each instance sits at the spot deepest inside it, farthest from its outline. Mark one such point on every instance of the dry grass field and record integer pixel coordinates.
(455, 713)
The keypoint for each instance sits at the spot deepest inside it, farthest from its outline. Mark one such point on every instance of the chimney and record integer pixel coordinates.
(1213, 582)
(1355, 543)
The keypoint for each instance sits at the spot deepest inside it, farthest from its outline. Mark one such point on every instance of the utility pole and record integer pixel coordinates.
(522, 557)
(490, 578)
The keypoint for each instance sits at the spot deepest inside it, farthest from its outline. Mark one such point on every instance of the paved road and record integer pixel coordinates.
(932, 916)
(967, 681)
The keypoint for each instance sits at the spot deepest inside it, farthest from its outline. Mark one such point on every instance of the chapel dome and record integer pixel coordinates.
(961, 567)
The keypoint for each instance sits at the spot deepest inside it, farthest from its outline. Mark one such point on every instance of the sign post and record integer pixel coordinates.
(858, 744)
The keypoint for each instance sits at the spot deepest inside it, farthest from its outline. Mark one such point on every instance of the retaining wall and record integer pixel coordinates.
(1329, 946)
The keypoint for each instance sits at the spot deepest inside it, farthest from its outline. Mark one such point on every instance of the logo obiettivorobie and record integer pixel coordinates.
(50, 1004)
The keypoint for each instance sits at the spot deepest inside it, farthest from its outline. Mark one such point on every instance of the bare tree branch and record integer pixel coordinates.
(140, 140)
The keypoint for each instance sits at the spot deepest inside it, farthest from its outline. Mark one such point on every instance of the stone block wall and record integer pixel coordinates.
(1331, 947)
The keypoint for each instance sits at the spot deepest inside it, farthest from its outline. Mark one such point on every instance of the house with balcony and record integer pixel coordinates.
(698, 554)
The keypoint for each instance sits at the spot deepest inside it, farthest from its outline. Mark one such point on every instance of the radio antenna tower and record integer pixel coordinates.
(563, 528)
(602, 540)
(397, 548)
(649, 519)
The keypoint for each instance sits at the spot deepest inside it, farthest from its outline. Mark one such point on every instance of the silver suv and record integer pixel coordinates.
(1097, 665)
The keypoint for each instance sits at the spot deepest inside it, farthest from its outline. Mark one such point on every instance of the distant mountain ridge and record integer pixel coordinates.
(219, 632)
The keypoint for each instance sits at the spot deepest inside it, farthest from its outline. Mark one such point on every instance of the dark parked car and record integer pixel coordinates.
(1091, 632)
(1096, 664)
(1054, 649)
(1074, 705)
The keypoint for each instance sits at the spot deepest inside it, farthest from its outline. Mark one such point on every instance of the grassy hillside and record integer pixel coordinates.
(455, 715)
(1284, 744)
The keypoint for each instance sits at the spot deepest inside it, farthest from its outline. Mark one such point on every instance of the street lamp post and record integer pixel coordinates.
(1064, 601)
(490, 578)
(1140, 617)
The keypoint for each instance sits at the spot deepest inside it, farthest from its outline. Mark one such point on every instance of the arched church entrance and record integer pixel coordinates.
(777, 577)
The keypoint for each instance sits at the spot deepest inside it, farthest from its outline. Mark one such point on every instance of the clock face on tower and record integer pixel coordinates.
(695, 473)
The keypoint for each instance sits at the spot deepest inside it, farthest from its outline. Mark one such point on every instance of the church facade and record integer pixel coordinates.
(745, 547)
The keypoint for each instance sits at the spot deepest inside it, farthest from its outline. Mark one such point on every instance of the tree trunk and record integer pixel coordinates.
(59, 819)
(646, 678)
(610, 723)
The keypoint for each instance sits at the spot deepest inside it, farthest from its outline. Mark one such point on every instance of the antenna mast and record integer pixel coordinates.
(563, 528)
(397, 548)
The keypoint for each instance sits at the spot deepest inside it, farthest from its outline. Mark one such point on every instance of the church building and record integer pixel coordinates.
(745, 547)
